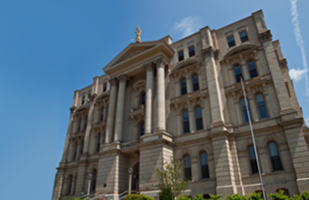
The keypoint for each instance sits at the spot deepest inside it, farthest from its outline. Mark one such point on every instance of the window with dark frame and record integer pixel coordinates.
(70, 184)
(238, 73)
(185, 121)
(195, 83)
(187, 165)
(143, 98)
(98, 142)
(180, 55)
(191, 51)
(83, 100)
(252, 69)
(183, 86)
(94, 180)
(231, 41)
(204, 165)
(142, 129)
(243, 36)
(198, 118)
(253, 162)
(104, 87)
(82, 147)
(274, 156)
(102, 114)
(261, 106)
(244, 109)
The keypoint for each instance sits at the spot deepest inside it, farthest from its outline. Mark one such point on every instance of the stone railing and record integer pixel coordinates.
(137, 111)
(129, 144)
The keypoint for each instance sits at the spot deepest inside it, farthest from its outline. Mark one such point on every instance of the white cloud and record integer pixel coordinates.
(187, 26)
(307, 121)
(297, 74)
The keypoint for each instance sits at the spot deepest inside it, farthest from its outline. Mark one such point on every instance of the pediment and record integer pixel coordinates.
(135, 52)
(239, 49)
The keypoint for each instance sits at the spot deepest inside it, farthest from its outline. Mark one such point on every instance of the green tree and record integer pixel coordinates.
(255, 196)
(235, 197)
(170, 180)
(303, 196)
(279, 196)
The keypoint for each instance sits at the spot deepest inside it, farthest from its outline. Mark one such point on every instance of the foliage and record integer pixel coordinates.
(215, 197)
(137, 197)
(279, 196)
(303, 196)
(255, 196)
(235, 197)
(170, 180)
(184, 197)
(199, 197)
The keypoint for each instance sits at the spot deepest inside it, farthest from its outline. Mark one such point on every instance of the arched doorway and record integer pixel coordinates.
(135, 179)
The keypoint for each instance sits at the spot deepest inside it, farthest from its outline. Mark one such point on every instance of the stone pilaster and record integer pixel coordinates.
(160, 63)
(90, 114)
(213, 86)
(192, 119)
(81, 175)
(253, 108)
(120, 108)
(189, 83)
(111, 111)
(149, 94)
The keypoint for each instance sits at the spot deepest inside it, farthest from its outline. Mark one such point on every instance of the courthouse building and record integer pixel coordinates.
(184, 99)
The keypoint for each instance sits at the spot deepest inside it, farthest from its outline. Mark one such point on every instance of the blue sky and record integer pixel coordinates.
(48, 49)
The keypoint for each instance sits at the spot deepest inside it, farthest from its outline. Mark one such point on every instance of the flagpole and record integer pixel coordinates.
(253, 140)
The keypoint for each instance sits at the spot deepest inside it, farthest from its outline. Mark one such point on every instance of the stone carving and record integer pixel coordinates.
(148, 66)
(138, 35)
(283, 63)
(266, 36)
(122, 78)
(210, 52)
(160, 62)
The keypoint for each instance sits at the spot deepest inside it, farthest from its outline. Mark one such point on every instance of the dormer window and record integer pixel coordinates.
(180, 55)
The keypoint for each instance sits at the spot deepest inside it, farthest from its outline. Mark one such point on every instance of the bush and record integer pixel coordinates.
(184, 197)
(215, 197)
(166, 194)
(279, 196)
(199, 197)
(137, 197)
(303, 196)
(255, 196)
(235, 197)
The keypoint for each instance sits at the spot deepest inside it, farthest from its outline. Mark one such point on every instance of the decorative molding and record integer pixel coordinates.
(210, 52)
(266, 36)
(283, 63)
(160, 62)
(122, 78)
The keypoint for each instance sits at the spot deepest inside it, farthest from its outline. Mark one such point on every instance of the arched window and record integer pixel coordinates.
(98, 142)
(195, 83)
(204, 165)
(252, 157)
(102, 114)
(183, 86)
(75, 152)
(142, 128)
(187, 165)
(285, 191)
(252, 69)
(93, 180)
(198, 118)
(143, 98)
(70, 182)
(185, 121)
(244, 110)
(274, 156)
(261, 106)
(238, 73)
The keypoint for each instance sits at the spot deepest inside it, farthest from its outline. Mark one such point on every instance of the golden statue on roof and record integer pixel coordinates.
(138, 35)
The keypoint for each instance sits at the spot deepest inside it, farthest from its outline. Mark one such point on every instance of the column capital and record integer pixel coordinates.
(210, 52)
(160, 62)
(113, 81)
(122, 78)
(148, 66)
(266, 36)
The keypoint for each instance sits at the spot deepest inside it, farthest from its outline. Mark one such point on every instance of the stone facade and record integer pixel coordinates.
(160, 99)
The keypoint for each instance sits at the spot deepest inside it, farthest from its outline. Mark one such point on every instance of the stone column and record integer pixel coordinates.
(120, 108)
(244, 69)
(78, 150)
(149, 92)
(189, 82)
(267, 102)
(238, 110)
(213, 86)
(231, 74)
(253, 109)
(192, 119)
(111, 111)
(160, 63)
(179, 121)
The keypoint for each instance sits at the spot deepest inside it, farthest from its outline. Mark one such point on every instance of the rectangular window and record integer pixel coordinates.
(191, 51)
(180, 55)
(83, 100)
(88, 97)
(243, 36)
(104, 87)
(205, 171)
(231, 41)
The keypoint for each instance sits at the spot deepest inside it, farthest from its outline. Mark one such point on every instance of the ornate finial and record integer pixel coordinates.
(138, 35)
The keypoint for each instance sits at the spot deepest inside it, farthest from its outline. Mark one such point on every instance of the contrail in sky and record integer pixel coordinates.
(299, 39)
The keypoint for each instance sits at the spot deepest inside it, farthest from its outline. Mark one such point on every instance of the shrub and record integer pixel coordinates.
(255, 196)
(235, 197)
(137, 197)
(303, 196)
(215, 197)
(279, 196)
(199, 197)
(166, 194)
(184, 197)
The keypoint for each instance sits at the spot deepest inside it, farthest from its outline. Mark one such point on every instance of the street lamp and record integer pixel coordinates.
(89, 183)
(130, 179)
